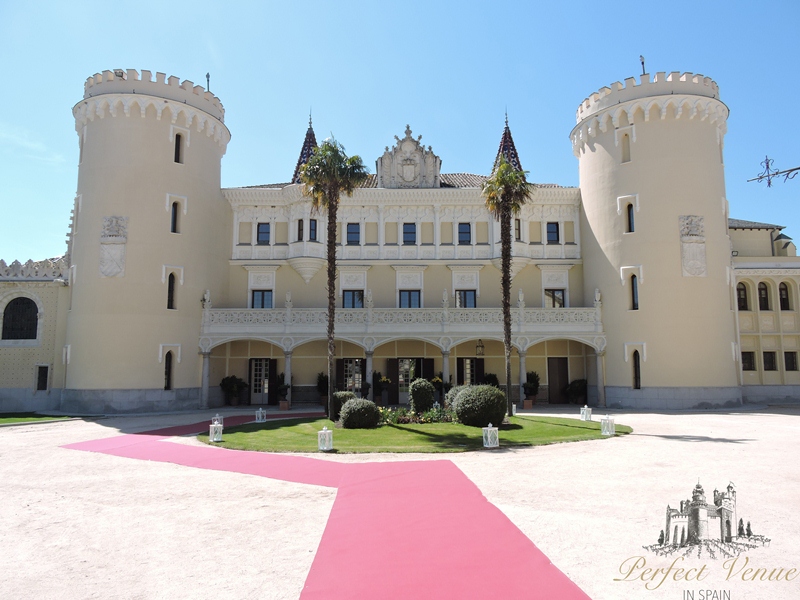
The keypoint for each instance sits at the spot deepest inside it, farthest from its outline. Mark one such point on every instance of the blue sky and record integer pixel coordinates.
(367, 68)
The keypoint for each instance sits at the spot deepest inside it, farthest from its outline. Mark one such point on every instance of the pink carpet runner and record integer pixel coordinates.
(397, 530)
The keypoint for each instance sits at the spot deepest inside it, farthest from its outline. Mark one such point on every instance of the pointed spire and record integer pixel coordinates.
(309, 145)
(507, 149)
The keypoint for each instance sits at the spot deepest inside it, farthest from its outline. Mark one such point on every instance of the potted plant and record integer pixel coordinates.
(576, 391)
(531, 387)
(385, 383)
(283, 390)
(322, 388)
(365, 385)
(437, 385)
(232, 387)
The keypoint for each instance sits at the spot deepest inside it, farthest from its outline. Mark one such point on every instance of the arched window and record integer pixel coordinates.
(20, 319)
(173, 223)
(630, 218)
(763, 296)
(171, 291)
(634, 293)
(741, 296)
(626, 148)
(783, 294)
(168, 371)
(178, 148)
(637, 371)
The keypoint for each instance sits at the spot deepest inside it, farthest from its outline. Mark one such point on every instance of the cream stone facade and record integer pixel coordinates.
(631, 281)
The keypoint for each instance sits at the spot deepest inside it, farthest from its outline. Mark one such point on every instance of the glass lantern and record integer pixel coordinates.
(491, 438)
(607, 426)
(325, 440)
(586, 414)
(215, 432)
(261, 416)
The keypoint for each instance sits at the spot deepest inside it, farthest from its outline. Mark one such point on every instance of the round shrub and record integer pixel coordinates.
(339, 399)
(360, 413)
(451, 396)
(421, 392)
(480, 405)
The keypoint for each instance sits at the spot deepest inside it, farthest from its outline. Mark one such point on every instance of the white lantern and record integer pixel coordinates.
(491, 439)
(436, 405)
(586, 414)
(261, 416)
(215, 432)
(216, 420)
(325, 439)
(514, 410)
(607, 426)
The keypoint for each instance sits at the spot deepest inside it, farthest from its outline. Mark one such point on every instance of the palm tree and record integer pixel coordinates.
(327, 175)
(505, 193)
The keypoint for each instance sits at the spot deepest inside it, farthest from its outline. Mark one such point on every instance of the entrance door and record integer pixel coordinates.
(557, 380)
(259, 381)
(407, 371)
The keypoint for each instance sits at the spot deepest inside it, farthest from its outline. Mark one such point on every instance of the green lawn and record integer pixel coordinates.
(300, 435)
(25, 417)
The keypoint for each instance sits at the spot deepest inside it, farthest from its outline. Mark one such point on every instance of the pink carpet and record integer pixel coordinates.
(412, 529)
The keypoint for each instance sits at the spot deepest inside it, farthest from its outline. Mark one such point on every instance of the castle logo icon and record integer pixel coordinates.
(697, 525)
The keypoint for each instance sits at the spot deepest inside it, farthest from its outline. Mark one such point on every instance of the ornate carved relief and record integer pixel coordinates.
(408, 165)
(693, 245)
(113, 238)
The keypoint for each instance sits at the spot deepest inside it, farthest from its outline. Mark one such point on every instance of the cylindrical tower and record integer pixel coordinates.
(151, 233)
(656, 239)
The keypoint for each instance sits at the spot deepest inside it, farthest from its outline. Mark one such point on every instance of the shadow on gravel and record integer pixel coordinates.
(695, 438)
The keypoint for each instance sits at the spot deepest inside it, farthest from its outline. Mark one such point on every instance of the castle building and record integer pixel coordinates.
(696, 520)
(637, 280)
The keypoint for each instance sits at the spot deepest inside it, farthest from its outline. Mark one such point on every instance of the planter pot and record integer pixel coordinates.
(385, 397)
(284, 404)
(528, 402)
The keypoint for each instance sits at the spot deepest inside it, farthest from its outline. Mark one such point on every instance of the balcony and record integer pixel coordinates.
(289, 327)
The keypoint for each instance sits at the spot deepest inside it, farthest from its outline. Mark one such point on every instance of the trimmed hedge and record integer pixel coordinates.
(480, 405)
(422, 394)
(339, 399)
(360, 413)
(452, 394)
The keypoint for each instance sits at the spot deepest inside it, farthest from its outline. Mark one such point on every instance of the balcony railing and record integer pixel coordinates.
(414, 321)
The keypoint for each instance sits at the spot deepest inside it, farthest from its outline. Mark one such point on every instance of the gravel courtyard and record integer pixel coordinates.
(88, 525)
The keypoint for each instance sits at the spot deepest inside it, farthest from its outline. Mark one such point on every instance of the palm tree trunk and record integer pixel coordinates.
(333, 206)
(505, 284)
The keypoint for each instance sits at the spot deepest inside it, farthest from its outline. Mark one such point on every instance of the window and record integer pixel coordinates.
(790, 361)
(353, 234)
(20, 319)
(299, 230)
(518, 230)
(353, 299)
(178, 148)
(637, 371)
(464, 234)
(626, 148)
(168, 371)
(466, 299)
(634, 293)
(770, 362)
(554, 298)
(552, 233)
(630, 218)
(312, 230)
(783, 294)
(763, 297)
(748, 361)
(262, 234)
(409, 299)
(171, 291)
(409, 234)
(262, 299)
(173, 223)
(741, 296)
(42, 377)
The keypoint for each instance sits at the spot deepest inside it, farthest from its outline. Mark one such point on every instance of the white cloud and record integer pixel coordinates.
(14, 140)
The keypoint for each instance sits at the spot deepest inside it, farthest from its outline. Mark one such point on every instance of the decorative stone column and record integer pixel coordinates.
(287, 373)
(522, 373)
(369, 354)
(445, 366)
(601, 379)
(206, 375)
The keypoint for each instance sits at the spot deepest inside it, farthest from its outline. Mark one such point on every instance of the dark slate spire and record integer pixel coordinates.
(309, 145)
(507, 149)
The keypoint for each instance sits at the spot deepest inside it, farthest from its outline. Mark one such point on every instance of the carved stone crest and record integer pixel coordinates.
(113, 238)
(408, 164)
(693, 245)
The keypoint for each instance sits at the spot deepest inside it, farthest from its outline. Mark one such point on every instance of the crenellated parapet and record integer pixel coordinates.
(42, 270)
(673, 95)
(126, 93)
